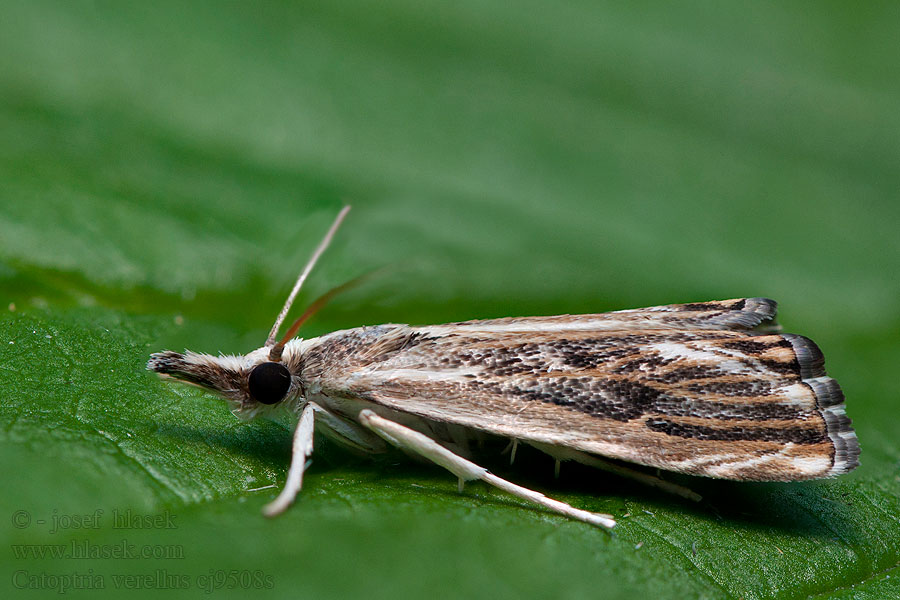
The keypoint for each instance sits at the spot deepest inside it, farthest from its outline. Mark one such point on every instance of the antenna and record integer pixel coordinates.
(305, 273)
(276, 350)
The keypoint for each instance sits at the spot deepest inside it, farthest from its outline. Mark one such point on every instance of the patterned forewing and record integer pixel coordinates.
(715, 402)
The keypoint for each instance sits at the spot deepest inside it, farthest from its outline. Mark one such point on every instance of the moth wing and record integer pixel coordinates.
(719, 402)
(736, 314)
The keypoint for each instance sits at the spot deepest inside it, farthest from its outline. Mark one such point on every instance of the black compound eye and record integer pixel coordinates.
(269, 382)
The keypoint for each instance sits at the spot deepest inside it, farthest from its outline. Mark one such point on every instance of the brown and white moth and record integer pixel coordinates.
(708, 388)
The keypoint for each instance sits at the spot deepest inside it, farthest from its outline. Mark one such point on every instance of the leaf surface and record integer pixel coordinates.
(166, 168)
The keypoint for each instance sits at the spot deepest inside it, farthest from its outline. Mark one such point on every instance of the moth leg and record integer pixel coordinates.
(408, 439)
(620, 470)
(348, 433)
(300, 451)
(511, 448)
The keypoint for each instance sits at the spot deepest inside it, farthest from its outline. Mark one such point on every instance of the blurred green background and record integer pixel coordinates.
(166, 168)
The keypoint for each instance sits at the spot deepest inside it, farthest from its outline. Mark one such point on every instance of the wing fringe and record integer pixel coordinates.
(830, 401)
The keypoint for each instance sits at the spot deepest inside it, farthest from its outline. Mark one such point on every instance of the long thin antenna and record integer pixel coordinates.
(305, 273)
(276, 350)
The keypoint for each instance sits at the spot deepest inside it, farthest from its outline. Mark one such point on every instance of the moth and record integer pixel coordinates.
(709, 388)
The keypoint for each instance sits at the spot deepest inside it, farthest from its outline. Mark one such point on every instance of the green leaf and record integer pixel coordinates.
(166, 168)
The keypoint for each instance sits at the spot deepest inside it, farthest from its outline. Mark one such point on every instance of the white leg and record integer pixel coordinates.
(415, 442)
(349, 434)
(300, 451)
(620, 470)
(511, 449)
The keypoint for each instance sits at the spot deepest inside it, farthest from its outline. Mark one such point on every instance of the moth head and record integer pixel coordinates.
(266, 379)
(253, 385)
